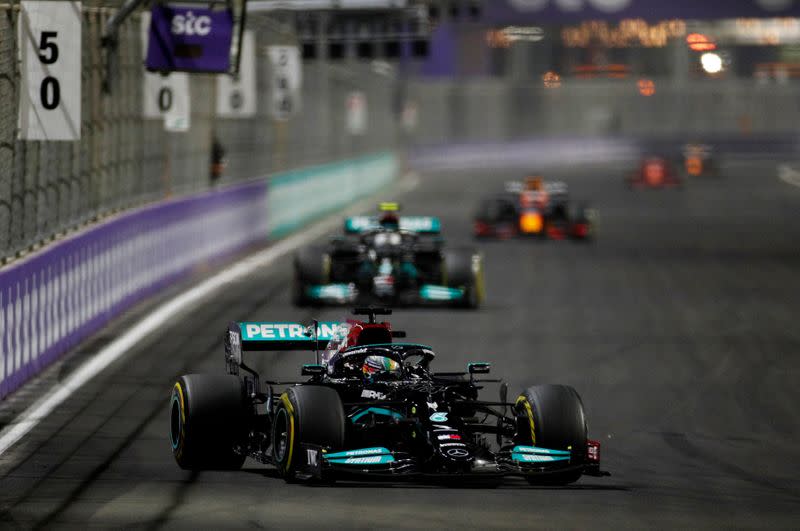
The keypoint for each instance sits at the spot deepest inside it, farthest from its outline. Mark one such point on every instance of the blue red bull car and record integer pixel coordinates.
(534, 208)
(370, 406)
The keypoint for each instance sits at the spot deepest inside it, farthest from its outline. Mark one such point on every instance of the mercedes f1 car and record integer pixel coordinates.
(391, 260)
(534, 208)
(373, 407)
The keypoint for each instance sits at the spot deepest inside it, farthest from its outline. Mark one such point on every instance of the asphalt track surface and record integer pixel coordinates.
(678, 326)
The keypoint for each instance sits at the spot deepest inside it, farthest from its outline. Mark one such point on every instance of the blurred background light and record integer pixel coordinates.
(711, 62)
(647, 87)
(700, 43)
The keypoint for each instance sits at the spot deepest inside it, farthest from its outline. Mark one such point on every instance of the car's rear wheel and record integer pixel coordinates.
(311, 267)
(552, 416)
(306, 414)
(207, 421)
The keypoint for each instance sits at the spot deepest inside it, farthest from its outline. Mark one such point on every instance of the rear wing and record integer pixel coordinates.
(418, 224)
(276, 336)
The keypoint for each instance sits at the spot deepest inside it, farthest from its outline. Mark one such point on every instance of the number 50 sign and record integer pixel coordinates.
(50, 53)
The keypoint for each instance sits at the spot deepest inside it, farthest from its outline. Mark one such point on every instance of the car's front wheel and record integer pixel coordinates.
(307, 414)
(552, 416)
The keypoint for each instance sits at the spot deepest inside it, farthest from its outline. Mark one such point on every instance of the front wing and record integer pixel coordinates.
(523, 461)
(344, 294)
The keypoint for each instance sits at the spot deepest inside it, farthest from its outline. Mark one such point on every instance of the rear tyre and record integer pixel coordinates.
(307, 414)
(552, 416)
(463, 268)
(208, 419)
(311, 267)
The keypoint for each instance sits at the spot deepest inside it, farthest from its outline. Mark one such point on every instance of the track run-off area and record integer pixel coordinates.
(678, 326)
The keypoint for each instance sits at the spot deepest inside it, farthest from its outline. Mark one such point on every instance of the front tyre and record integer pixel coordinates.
(551, 416)
(207, 421)
(306, 414)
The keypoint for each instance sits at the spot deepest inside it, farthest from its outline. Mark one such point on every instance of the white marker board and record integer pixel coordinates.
(50, 61)
(286, 79)
(356, 113)
(165, 96)
(236, 96)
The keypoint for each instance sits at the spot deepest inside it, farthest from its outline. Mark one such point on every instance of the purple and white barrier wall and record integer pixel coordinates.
(54, 299)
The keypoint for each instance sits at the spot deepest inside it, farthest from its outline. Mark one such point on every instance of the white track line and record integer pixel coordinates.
(789, 175)
(40, 409)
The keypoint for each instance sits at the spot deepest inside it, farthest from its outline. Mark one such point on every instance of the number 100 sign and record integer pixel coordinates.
(50, 55)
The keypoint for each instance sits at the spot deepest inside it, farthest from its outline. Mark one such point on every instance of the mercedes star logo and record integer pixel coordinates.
(457, 452)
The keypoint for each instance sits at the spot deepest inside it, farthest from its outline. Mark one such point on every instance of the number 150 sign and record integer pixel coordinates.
(50, 54)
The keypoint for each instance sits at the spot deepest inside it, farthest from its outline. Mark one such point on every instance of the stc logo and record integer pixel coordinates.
(189, 24)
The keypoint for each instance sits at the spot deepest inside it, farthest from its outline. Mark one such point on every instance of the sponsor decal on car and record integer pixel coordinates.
(361, 451)
(287, 331)
(311, 457)
(450, 436)
(535, 454)
(441, 416)
(457, 452)
(363, 456)
(375, 395)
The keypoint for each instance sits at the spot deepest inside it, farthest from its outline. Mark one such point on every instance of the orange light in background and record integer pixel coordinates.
(531, 223)
(694, 165)
(497, 39)
(700, 43)
(627, 33)
(617, 71)
(647, 87)
(551, 80)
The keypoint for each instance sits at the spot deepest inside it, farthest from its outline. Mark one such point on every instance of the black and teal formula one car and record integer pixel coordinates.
(372, 406)
(388, 260)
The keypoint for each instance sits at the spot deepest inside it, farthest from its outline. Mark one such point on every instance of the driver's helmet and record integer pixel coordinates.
(389, 221)
(380, 366)
(534, 183)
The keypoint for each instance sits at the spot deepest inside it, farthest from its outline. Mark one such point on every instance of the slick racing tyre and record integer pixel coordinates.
(552, 416)
(207, 420)
(306, 414)
(463, 268)
(311, 267)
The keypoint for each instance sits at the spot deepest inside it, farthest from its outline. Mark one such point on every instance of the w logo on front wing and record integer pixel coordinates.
(311, 456)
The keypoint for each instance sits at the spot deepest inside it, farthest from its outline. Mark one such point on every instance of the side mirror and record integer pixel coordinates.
(479, 367)
(313, 369)
(398, 333)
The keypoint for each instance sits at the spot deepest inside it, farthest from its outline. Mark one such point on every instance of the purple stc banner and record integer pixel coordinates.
(189, 39)
(570, 11)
